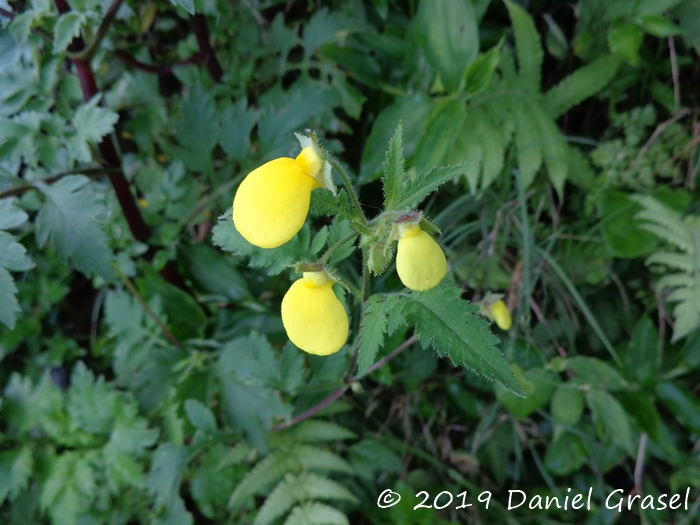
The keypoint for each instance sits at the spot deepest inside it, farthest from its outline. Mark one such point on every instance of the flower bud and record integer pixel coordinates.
(312, 315)
(501, 315)
(420, 262)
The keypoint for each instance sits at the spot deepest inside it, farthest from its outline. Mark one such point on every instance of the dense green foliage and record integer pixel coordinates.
(145, 374)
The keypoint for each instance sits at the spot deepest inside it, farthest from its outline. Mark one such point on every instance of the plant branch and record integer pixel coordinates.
(166, 69)
(88, 52)
(330, 251)
(206, 52)
(340, 391)
(130, 286)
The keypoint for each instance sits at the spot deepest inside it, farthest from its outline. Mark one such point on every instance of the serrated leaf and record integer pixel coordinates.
(68, 219)
(198, 130)
(581, 84)
(317, 430)
(527, 140)
(448, 324)
(267, 471)
(294, 489)
(200, 416)
(169, 461)
(66, 28)
(93, 122)
(274, 260)
(372, 331)
(439, 136)
(477, 76)
(527, 46)
(414, 191)
(16, 467)
(316, 514)
(553, 149)
(249, 374)
(12, 258)
(393, 177)
(69, 487)
(237, 123)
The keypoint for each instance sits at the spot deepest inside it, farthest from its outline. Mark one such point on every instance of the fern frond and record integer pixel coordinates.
(269, 470)
(528, 47)
(673, 260)
(581, 84)
(493, 148)
(664, 222)
(316, 514)
(316, 430)
(314, 458)
(299, 489)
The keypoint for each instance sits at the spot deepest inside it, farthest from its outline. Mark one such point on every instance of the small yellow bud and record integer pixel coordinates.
(501, 315)
(143, 203)
(272, 202)
(312, 315)
(420, 262)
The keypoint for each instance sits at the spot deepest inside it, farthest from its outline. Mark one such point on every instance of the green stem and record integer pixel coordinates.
(351, 191)
(89, 51)
(354, 290)
(329, 253)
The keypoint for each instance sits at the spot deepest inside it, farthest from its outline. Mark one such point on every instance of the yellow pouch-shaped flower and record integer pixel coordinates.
(420, 262)
(312, 315)
(272, 202)
(501, 315)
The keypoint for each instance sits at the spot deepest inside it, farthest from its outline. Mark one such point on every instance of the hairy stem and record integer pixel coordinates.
(351, 191)
(88, 52)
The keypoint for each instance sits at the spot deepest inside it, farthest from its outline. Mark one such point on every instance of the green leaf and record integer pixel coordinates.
(69, 488)
(372, 330)
(445, 322)
(414, 191)
(91, 124)
(528, 48)
(215, 273)
(316, 431)
(295, 489)
(681, 403)
(610, 418)
(275, 260)
(624, 40)
(642, 352)
(198, 131)
(413, 111)
(477, 76)
(16, 467)
(164, 480)
(565, 455)
(449, 37)
(581, 84)
(687, 14)
(538, 385)
(594, 372)
(439, 135)
(393, 177)
(66, 28)
(12, 258)
(69, 219)
(237, 122)
(556, 41)
(316, 514)
(616, 212)
(660, 26)
(249, 374)
(187, 5)
(200, 416)
(527, 139)
(567, 404)
(553, 149)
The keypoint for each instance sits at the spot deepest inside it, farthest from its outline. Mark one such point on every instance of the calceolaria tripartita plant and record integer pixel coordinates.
(269, 219)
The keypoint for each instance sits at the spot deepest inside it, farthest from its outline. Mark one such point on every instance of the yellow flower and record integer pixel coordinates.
(500, 314)
(272, 202)
(420, 262)
(312, 315)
